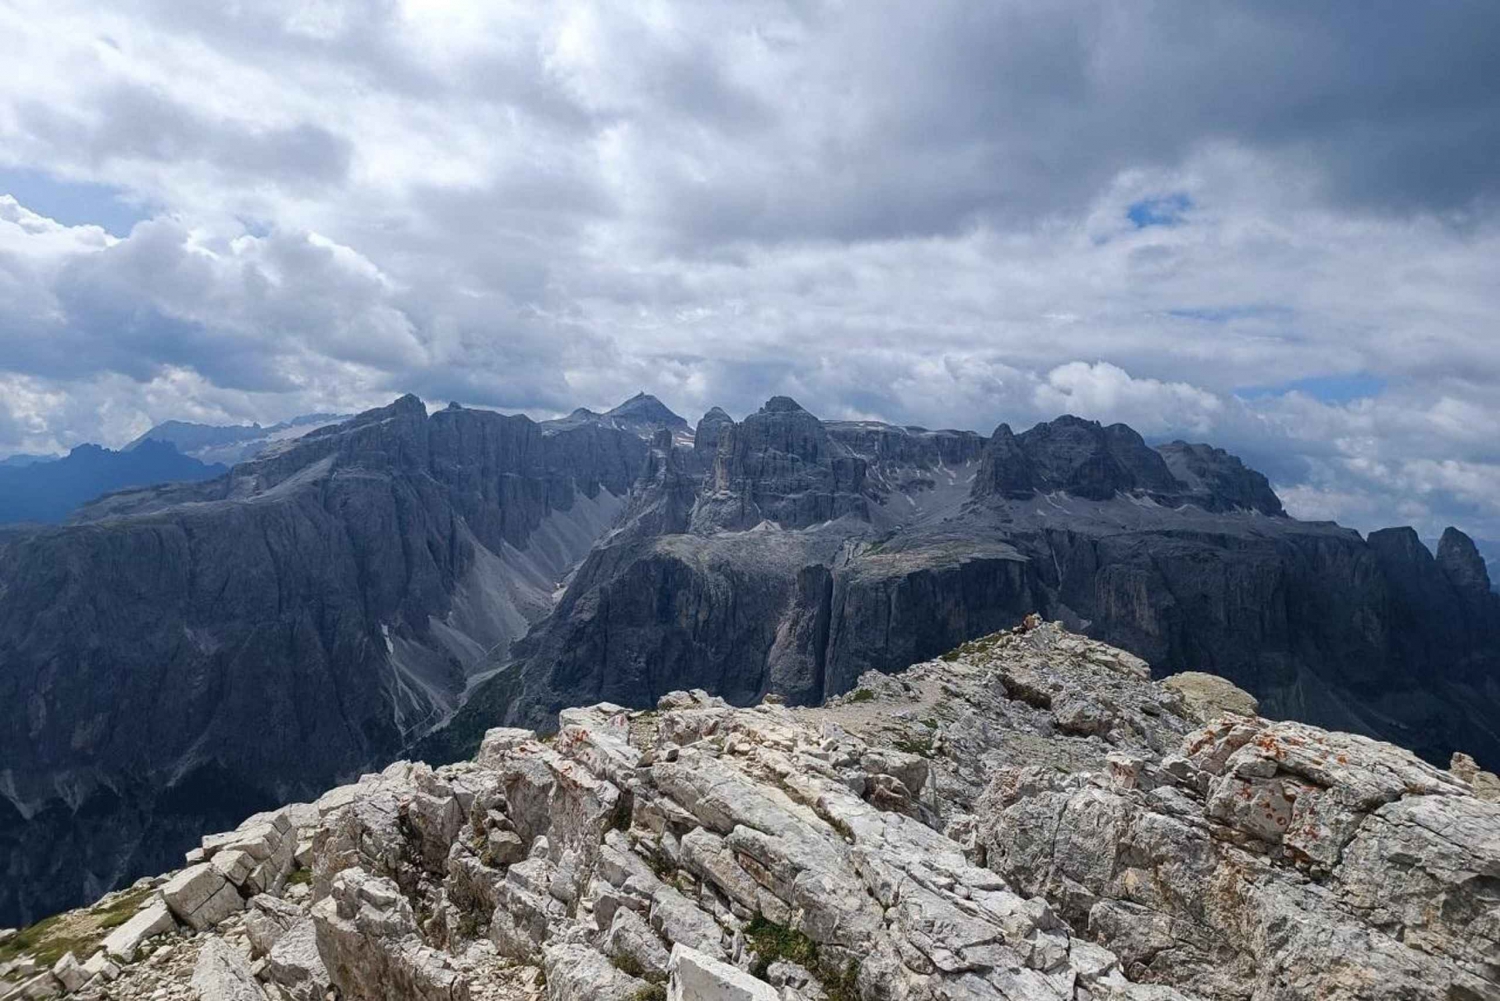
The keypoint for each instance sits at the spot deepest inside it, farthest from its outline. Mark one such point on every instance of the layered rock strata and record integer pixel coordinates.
(1029, 818)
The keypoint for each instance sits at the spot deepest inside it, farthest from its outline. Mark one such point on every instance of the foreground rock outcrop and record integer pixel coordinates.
(1030, 817)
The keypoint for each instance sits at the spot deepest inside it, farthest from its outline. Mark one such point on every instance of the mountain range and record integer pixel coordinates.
(178, 656)
(48, 489)
(228, 444)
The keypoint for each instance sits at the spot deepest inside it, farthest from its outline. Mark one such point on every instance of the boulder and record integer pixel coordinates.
(368, 940)
(698, 977)
(223, 974)
(1207, 696)
(151, 920)
(99, 965)
(267, 919)
(1486, 785)
(200, 896)
(576, 972)
(42, 985)
(295, 966)
(69, 972)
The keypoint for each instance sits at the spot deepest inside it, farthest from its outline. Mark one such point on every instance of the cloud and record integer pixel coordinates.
(1259, 224)
(1149, 405)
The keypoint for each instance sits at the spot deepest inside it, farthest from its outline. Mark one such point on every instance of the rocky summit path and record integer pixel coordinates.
(1029, 817)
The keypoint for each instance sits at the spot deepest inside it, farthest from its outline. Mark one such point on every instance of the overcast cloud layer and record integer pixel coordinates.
(1272, 226)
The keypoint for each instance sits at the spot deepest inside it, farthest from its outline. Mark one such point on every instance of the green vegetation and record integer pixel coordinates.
(628, 966)
(773, 942)
(78, 932)
(914, 745)
(28, 940)
(298, 877)
(651, 992)
(862, 695)
(930, 723)
(983, 644)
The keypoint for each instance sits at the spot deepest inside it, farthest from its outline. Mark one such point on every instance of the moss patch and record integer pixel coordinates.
(862, 695)
(78, 932)
(772, 941)
(914, 745)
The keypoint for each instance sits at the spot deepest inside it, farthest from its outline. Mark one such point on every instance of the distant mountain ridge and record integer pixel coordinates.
(323, 606)
(50, 490)
(228, 444)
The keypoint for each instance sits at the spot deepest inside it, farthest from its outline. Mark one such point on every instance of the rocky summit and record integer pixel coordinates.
(395, 584)
(1028, 817)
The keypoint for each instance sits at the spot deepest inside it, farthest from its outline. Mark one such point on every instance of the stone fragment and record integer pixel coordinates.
(234, 864)
(151, 920)
(100, 965)
(575, 972)
(498, 742)
(43, 985)
(201, 897)
(367, 937)
(1206, 697)
(295, 966)
(1486, 785)
(630, 939)
(266, 919)
(698, 977)
(223, 974)
(505, 848)
(69, 972)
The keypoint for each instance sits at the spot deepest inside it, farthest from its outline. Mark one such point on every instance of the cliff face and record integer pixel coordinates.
(183, 653)
(819, 551)
(1029, 818)
(316, 610)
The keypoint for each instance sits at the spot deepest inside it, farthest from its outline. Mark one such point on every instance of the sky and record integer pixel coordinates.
(1273, 226)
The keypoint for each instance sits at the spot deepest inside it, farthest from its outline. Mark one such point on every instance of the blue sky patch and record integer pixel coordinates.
(71, 203)
(1165, 210)
(1328, 388)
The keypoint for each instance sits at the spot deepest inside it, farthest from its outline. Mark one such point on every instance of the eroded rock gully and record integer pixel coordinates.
(1029, 818)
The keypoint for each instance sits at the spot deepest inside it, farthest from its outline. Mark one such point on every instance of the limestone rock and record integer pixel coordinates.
(100, 965)
(1203, 882)
(69, 972)
(368, 940)
(1208, 696)
(222, 974)
(1033, 817)
(152, 919)
(200, 896)
(1486, 785)
(698, 977)
(43, 985)
(295, 966)
(576, 972)
(267, 919)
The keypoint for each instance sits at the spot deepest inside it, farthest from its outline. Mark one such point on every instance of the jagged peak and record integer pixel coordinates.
(644, 406)
(782, 405)
(1462, 562)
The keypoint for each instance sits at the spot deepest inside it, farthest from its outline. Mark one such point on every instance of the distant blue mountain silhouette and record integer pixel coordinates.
(49, 490)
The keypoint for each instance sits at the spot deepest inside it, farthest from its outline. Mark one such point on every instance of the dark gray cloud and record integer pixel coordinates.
(132, 122)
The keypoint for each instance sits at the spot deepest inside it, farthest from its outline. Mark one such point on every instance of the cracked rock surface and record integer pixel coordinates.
(1030, 817)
